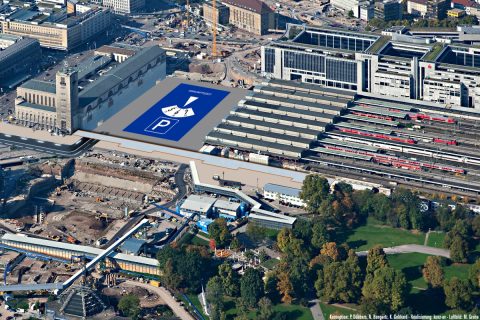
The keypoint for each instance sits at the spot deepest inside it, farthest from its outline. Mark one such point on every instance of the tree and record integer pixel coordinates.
(170, 278)
(251, 287)
(302, 229)
(320, 234)
(474, 274)
(458, 294)
(350, 14)
(235, 244)
(314, 190)
(263, 256)
(284, 238)
(458, 249)
(433, 272)
(285, 287)
(340, 281)
(387, 287)
(376, 259)
(214, 296)
(218, 230)
(266, 311)
(129, 305)
(229, 279)
(330, 249)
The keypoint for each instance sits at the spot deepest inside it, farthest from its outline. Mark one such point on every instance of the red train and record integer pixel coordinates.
(437, 118)
(377, 135)
(398, 162)
(368, 115)
(446, 141)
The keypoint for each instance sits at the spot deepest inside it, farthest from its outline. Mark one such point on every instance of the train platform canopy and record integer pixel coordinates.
(362, 128)
(379, 111)
(347, 144)
(301, 95)
(343, 154)
(288, 111)
(297, 104)
(371, 120)
(272, 127)
(384, 104)
(310, 88)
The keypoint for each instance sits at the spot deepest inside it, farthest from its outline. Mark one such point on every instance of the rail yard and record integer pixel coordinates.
(335, 132)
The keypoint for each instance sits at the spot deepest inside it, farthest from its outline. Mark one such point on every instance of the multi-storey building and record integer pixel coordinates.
(124, 6)
(388, 10)
(397, 66)
(435, 9)
(56, 32)
(61, 106)
(250, 15)
(18, 57)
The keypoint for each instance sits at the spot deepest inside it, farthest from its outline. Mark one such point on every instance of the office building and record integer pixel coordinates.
(60, 106)
(124, 6)
(197, 205)
(432, 9)
(398, 66)
(253, 16)
(56, 30)
(285, 195)
(18, 58)
(389, 10)
(117, 51)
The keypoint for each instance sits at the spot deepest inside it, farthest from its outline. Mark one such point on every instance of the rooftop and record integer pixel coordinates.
(40, 85)
(198, 203)
(289, 191)
(256, 6)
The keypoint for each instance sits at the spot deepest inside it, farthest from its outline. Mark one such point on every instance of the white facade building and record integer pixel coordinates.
(285, 195)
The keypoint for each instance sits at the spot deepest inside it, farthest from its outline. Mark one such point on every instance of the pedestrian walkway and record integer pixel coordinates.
(411, 248)
(316, 310)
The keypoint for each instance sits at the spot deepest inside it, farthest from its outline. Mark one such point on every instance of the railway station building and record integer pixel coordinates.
(394, 66)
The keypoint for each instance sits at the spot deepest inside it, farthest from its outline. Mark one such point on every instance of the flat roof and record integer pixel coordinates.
(362, 127)
(198, 203)
(276, 188)
(227, 205)
(300, 95)
(385, 104)
(193, 140)
(352, 145)
(379, 111)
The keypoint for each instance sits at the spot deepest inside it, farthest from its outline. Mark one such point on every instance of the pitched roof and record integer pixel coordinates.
(256, 6)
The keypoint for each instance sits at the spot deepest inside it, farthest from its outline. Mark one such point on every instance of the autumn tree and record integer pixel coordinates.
(458, 249)
(330, 249)
(433, 272)
(376, 259)
(285, 287)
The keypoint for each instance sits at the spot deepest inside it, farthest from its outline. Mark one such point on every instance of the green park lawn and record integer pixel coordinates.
(373, 233)
(435, 239)
(292, 311)
(328, 309)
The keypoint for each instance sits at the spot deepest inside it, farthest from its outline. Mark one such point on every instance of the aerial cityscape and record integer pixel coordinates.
(240, 159)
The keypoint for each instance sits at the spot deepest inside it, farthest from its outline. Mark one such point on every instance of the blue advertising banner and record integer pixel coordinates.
(178, 112)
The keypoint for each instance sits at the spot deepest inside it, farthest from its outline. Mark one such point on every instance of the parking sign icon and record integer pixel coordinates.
(177, 112)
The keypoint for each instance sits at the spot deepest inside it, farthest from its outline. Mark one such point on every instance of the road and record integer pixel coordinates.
(412, 248)
(48, 147)
(167, 297)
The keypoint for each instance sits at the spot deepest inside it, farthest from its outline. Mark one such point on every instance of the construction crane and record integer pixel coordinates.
(214, 26)
(188, 14)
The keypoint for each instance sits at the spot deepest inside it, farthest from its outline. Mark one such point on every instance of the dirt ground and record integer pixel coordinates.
(147, 299)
